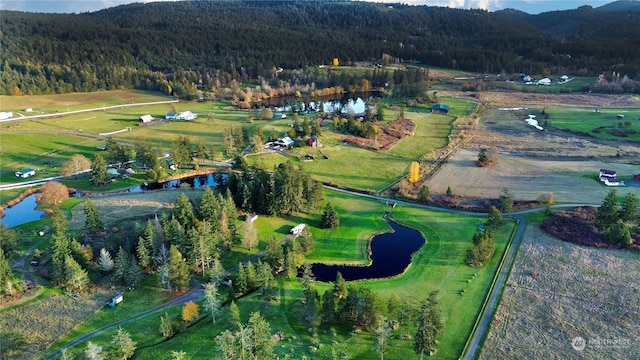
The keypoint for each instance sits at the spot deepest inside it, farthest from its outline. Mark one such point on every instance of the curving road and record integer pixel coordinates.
(478, 335)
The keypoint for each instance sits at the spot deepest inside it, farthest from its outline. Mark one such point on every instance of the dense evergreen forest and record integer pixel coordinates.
(176, 47)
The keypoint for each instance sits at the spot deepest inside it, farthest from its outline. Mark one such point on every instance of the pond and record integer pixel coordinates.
(347, 103)
(22, 212)
(195, 182)
(390, 255)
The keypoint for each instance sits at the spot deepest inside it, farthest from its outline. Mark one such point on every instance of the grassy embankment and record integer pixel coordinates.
(439, 265)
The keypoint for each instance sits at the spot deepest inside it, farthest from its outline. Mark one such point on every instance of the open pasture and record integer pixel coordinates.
(76, 101)
(606, 123)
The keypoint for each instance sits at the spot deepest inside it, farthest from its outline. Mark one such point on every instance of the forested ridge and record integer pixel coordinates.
(210, 43)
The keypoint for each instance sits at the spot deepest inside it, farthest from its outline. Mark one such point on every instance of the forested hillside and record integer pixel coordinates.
(178, 46)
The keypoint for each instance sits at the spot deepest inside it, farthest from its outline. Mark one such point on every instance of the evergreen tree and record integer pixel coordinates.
(620, 234)
(429, 325)
(124, 345)
(506, 201)
(274, 255)
(212, 304)
(6, 275)
(166, 326)
(61, 250)
(134, 273)
(58, 223)
(242, 283)
(76, 278)
(382, 337)
(629, 208)
(607, 214)
(449, 191)
(235, 315)
(184, 210)
(121, 266)
(330, 219)
(144, 255)
(261, 332)
(178, 270)
(92, 224)
(424, 195)
(495, 219)
(105, 262)
(99, 175)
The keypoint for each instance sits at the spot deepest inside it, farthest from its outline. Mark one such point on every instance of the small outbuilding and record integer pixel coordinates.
(285, 142)
(314, 141)
(25, 173)
(145, 119)
(116, 300)
(440, 109)
(297, 230)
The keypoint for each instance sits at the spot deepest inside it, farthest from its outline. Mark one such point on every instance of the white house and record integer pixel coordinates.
(545, 81)
(186, 115)
(612, 181)
(145, 119)
(297, 230)
(607, 174)
(284, 142)
(6, 115)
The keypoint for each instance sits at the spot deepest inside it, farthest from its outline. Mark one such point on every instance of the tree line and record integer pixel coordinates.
(182, 47)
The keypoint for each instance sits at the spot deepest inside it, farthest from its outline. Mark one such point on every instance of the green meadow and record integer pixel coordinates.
(438, 265)
(603, 123)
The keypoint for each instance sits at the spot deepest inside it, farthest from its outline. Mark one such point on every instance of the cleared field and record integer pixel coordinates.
(558, 291)
(76, 101)
(528, 178)
(431, 134)
(608, 123)
(347, 166)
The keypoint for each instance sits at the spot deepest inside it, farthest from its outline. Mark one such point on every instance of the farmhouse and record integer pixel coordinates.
(297, 230)
(604, 174)
(285, 142)
(25, 173)
(614, 181)
(186, 115)
(113, 173)
(440, 108)
(145, 119)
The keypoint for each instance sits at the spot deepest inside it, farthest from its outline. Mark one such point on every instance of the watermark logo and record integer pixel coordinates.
(578, 343)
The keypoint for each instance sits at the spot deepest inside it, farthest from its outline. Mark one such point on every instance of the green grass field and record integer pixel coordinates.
(599, 124)
(438, 265)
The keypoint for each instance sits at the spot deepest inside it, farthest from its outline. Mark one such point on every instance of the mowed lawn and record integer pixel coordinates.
(431, 133)
(588, 120)
(438, 265)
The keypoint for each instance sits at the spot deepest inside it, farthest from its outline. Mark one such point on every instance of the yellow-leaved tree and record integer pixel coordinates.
(190, 311)
(414, 172)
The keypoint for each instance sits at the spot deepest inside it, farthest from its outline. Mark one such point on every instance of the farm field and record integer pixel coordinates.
(529, 178)
(610, 123)
(558, 291)
(76, 101)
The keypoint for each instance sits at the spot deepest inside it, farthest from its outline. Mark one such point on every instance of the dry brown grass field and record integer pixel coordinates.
(532, 162)
(528, 178)
(558, 291)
